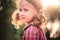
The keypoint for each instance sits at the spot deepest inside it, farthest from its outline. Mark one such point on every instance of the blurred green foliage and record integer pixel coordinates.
(6, 30)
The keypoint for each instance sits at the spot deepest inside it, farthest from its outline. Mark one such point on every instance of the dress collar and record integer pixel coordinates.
(27, 26)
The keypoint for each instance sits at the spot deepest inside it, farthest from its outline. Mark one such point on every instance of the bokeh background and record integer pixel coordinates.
(51, 10)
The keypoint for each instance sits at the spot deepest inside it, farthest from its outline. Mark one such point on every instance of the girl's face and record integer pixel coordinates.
(26, 12)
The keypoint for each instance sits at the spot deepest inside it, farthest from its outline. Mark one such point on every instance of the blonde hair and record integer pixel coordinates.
(37, 20)
(15, 20)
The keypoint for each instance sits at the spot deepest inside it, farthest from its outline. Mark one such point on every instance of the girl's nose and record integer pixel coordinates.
(21, 14)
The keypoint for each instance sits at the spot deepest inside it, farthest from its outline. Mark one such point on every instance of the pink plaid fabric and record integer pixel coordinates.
(33, 33)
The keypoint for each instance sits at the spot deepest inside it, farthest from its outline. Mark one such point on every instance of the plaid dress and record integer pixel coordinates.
(33, 33)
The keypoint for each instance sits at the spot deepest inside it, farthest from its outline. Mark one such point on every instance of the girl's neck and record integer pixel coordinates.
(28, 23)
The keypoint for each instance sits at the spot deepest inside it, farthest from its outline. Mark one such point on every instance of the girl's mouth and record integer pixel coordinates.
(22, 18)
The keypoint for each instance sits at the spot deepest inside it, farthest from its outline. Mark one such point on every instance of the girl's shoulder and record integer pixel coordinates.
(32, 28)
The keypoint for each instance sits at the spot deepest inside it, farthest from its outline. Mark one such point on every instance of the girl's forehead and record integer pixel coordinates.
(26, 4)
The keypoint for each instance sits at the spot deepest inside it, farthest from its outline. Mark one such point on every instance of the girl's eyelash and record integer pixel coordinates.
(20, 9)
(26, 9)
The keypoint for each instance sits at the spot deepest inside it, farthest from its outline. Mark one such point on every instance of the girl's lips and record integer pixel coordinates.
(22, 18)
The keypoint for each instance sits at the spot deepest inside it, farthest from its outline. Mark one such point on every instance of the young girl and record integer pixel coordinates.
(30, 12)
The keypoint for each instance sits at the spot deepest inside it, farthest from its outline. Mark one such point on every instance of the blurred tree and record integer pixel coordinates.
(53, 13)
(6, 30)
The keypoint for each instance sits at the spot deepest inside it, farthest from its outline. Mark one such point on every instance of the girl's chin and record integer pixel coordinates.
(25, 21)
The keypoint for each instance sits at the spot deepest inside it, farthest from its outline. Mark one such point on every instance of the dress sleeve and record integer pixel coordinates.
(31, 35)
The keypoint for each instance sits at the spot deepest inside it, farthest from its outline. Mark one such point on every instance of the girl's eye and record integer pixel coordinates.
(20, 9)
(25, 9)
